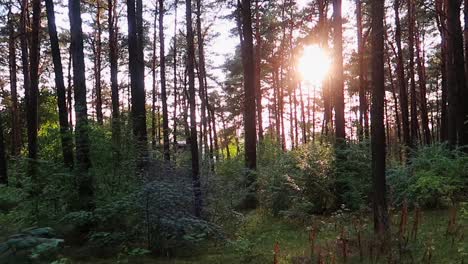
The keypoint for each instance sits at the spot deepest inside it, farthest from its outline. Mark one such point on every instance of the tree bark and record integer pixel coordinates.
(401, 79)
(176, 94)
(258, 71)
(162, 64)
(15, 118)
(137, 71)
(363, 105)
(456, 80)
(32, 106)
(192, 103)
(381, 224)
(65, 135)
(414, 127)
(422, 92)
(84, 179)
(113, 60)
(98, 66)
(248, 63)
(3, 161)
(340, 131)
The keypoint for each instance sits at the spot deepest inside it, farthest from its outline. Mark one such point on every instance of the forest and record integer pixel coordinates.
(234, 131)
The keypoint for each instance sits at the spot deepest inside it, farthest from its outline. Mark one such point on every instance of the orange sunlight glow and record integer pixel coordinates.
(314, 64)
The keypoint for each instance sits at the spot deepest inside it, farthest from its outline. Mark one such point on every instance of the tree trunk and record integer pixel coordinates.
(113, 60)
(84, 179)
(3, 162)
(422, 92)
(363, 105)
(65, 135)
(401, 79)
(98, 67)
(381, 224)
(137, 71)
(162, 63)
(258, 71)
(340, 131)
(456, 81)
(414, 128)
(32, 106)
(15, 119)
(176, 94)
(193, 114)
(154, 84)
(249, 101)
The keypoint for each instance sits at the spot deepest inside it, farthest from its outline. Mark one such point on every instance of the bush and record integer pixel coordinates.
(435, 177)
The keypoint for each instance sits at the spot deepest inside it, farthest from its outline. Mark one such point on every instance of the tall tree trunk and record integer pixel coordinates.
(338, 74)
(113, 60)
(201, 79)
(15, 119)
(176, 94)
(154, 61)
(456, 80)
(137, 71)
(249, 101)
(363, 105)
(162, 63)
(65, 135)
(381, 222)
(401, 79)
(422, 92)
(32, 106)
(442, 26)
(3, 161)
(98, 67)
(69, 90)
(84, 179)
(24, 42)
(414, 127)
(258, 71)
(193, 114)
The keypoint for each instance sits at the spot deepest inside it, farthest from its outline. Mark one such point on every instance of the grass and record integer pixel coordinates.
(255, 240)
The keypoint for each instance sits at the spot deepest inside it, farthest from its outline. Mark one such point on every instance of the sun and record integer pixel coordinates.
(314, 64)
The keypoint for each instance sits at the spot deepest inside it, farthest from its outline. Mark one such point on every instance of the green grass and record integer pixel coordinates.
(254, 242)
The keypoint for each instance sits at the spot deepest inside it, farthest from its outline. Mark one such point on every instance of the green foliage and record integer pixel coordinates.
(435, 176)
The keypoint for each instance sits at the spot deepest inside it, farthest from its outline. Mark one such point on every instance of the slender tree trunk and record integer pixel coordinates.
(24, 42)
(363, 105)
(32, 106)
(407, 140)
(249, 101)
(162, 63)
(422, 92)
(176, 94)
(258, 71)
(414, 128)
(192, 103)
(98, 67)
(154, 84)
(66, 137)
(69, 91)
(15, 119)
(84, 179)
(113, 59)
(137, 71)
(381, 224)
(338, 75)
(3, 161)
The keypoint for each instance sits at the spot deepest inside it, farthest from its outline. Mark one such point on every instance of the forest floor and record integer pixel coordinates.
(255, 242)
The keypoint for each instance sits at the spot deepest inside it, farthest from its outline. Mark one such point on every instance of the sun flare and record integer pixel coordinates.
(314, 64)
